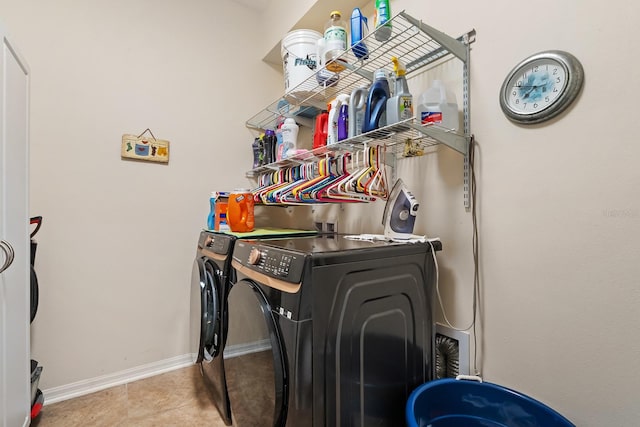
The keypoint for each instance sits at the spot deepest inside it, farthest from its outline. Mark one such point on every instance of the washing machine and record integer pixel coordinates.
(327, 331)
(211, 279)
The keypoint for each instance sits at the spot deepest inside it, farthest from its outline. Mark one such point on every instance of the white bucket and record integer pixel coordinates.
(298, 49)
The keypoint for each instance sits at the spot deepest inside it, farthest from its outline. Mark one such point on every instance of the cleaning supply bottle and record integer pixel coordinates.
(289, 137)
(382, 20)
(270, 143)
(280, 149)
(358, 33)
(321, 130)
(258, 152)
(400, 105)
(357, 104)
(335, 37)
(374, 113)
(343, 121)
(211, 218)
(240, 215)
(437, 106)
(334, 112)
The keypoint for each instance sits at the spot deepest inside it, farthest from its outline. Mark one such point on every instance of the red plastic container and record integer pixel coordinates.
(321, 130)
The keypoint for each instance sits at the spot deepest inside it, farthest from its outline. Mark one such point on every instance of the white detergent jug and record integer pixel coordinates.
(437, 106)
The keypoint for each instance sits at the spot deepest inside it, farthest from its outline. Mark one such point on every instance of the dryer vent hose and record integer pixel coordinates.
(447, 357)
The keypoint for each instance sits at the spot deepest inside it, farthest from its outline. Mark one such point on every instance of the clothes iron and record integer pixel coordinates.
(399, 216)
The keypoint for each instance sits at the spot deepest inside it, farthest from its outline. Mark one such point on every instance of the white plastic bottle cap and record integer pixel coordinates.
(380, 73)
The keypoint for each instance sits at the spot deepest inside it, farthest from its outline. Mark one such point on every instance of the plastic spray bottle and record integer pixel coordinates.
(382, 20)
(375, 109)
(400, 105)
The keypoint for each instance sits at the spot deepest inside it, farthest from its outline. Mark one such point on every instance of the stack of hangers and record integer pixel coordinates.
(335, 178)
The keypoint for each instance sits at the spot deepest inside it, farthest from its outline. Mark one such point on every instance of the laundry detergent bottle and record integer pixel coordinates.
(437, 106)
(400, 105)
(270, 146)
(321, 130)
(240, 214)
(375, 108)
(357, 105)
(343, 121)
(211, 218)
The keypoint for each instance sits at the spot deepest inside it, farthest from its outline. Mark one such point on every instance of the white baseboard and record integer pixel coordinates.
(242, 349)
(80, 388)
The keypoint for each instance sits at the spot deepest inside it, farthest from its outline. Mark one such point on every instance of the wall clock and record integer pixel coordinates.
(541, 87)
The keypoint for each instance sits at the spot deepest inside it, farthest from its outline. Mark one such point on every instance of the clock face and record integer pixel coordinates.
(541, 87)
(536, 86)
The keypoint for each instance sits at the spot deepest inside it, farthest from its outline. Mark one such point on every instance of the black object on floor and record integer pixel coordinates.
(37, 398)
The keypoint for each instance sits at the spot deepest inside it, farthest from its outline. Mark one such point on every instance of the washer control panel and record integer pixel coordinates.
(277, 263)
(215, 242)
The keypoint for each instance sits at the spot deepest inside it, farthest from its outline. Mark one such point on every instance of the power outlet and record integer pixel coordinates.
(328, 227)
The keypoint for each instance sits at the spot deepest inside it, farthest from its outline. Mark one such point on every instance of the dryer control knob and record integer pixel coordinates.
(254, 256)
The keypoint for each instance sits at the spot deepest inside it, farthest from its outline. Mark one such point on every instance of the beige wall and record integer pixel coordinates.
(118, 238)
(557, 204)
(558, 208)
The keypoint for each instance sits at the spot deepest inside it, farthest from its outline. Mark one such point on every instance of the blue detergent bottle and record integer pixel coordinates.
(211, 218)
(375, 109)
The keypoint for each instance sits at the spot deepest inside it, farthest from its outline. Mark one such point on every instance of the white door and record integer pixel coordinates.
(15, 378)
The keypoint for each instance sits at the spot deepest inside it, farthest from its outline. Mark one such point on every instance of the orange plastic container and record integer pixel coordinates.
(240, 211)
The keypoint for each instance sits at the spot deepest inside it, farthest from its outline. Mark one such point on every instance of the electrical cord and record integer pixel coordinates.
(476, 275)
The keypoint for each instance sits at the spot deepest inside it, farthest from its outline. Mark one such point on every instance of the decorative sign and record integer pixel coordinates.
(142, 148)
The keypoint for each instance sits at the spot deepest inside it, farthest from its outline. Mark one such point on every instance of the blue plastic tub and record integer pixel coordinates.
(463, 403)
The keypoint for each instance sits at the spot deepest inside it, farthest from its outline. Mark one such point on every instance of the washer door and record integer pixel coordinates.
(254, 359)
(205, 306)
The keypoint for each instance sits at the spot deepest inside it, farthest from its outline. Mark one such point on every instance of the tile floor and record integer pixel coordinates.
(176, 398)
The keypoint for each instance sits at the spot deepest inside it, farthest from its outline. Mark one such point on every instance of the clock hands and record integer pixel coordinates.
(531, 89)
(526, 95)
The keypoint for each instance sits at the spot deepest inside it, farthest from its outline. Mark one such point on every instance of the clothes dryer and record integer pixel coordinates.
(210, 281)
(325, 331)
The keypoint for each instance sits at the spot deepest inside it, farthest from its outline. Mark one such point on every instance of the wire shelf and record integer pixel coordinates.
(413, 42)
(416, 45)
(396, 138)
